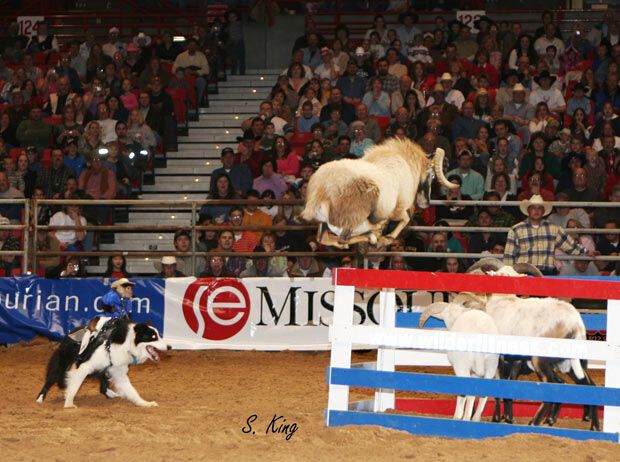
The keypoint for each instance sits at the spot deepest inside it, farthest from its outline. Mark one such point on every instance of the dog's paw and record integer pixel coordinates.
(111, 394)
(150, 404)
(70, 406)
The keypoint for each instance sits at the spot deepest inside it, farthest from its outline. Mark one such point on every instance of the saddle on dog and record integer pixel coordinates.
(89, 342)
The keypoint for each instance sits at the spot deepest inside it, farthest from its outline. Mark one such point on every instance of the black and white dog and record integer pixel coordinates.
(125, 343)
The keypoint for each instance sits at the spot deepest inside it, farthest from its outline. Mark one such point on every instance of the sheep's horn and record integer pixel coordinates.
(438, 167)
(431, 310)
(527, 268)
(488, 261)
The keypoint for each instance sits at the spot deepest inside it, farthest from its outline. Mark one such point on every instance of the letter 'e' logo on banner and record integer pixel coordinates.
(216, 309)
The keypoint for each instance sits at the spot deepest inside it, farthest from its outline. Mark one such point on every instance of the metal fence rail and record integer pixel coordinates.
(30, 254)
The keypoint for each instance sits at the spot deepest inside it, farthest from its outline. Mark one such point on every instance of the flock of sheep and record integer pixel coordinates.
(511, 315)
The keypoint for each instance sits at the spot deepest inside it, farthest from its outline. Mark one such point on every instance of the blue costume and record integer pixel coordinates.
(115, 305)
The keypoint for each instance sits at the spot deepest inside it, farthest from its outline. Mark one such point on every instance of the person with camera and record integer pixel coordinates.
(70, 215)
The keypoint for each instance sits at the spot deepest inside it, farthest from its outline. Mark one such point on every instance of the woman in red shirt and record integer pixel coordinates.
(286, 159)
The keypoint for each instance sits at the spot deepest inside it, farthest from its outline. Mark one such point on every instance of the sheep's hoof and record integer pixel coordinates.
(372, 239)
(551, 421)
(509, 420)
(496, 418)
(595, 428)
(384, 242)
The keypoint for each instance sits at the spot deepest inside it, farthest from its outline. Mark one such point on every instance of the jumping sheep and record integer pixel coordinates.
(356, 198)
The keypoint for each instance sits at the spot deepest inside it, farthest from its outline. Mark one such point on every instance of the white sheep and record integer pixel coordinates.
(535, 317)
(466, 364)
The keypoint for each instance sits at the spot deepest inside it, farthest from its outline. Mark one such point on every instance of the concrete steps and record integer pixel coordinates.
(188, 171)
(211, 162)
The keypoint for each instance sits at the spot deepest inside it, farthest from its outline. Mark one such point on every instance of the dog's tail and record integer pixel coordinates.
(61, 360)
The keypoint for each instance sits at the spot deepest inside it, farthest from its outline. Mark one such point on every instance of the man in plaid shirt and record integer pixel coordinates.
(535, 240)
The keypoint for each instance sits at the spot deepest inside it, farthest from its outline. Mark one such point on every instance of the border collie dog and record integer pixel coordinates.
(119, 344)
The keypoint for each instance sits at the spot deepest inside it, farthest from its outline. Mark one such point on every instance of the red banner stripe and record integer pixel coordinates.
(453, 282)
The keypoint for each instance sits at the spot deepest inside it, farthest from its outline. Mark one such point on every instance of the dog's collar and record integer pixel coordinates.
(134, 360)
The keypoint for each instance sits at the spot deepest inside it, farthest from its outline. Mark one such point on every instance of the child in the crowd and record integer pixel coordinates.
(418, 52)
(128, 98)
(552, 60)
(15, 179)
(334, 127)
(179, 81)
(307, 118)
(269, 136)
(561, 146)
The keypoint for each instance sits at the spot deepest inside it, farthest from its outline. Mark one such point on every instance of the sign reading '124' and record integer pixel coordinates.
(28, 24)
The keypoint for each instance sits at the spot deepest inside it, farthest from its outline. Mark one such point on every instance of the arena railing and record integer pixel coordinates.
(176, 206)
(499, 230)
(23, 231)
(192, 206)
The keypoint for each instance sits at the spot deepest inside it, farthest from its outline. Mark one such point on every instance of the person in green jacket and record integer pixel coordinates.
(34, 132)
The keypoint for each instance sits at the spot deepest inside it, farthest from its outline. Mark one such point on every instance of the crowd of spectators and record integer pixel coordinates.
(521, 114)
(84, 119)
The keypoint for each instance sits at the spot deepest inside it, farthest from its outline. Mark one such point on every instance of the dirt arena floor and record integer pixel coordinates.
(205, 399)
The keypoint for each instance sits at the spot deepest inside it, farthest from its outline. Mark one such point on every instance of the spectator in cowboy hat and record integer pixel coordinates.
(517, 110)
(547, 93)
(142, 40)
(535, 239)
(114, 44)
(169, 267)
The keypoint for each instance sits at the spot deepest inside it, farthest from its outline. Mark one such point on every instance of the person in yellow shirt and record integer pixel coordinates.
(253, 216)
(194, 62)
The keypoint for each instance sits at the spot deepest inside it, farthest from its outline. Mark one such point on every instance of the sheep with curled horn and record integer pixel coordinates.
(533, 317)
(355, 199)
(466, 364)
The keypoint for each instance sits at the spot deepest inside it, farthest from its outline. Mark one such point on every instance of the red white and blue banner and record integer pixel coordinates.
(253, 313)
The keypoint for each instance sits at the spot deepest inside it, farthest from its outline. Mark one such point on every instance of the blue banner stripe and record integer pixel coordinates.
(456, 428)
(597, 322)
(32, 306)
(452, 385)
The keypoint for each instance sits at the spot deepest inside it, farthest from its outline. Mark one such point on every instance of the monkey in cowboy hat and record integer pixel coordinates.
(116, 304)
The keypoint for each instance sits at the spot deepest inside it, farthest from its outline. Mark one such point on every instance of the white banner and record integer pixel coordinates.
(28, 24)
(263, 313)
